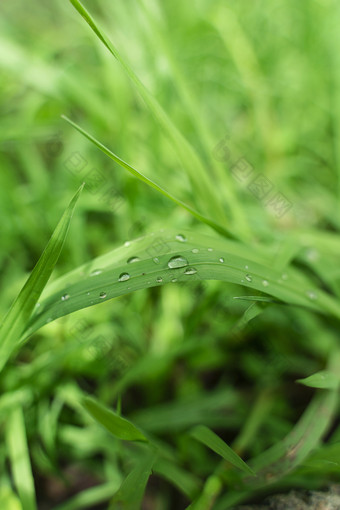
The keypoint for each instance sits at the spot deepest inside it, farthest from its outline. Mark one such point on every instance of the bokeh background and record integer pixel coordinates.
(254, 87)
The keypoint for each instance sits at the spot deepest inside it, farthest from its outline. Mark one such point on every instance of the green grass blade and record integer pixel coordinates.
(115, 424)
(215, 226)
(323, 380)
(215, 443)
(130, 494)
(186, 482)
(22, 308)
(203, 186)
(9, 500)
(20, 460)
(90, 498)
(84, 290)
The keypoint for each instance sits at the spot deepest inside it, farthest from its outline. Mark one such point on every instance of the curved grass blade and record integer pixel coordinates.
(279, 460)
(200, 259)
(18, 316)
(115, 424)
(20, 460)
(202, 184)
(214, 442)
(215, 226)
(130, 494)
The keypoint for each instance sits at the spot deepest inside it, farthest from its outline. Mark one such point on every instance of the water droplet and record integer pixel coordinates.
(312, 254)
(311, 294)
(37, 305)
(177, 261)
(96, 272)
(246, 267)
(222, 260)
(159, 279)
(190, 270)
(265, 283)
(127, 243)
(181, 238)
(102, 295)
(248, 278)
(123, 277)
(65, 297)
(48, 320)
(174, 280)
(210, 249)
(156, 260)
(195, 250)
(284, 276)
(132, 259)
(88, 293)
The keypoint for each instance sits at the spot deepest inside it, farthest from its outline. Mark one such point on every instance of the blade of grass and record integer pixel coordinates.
(130, 494)
(204, 264)
(157, 32)
(215, 226)
(115, 424)
(190, 161)
(323, 380)
(279, 460)
(19, 458)
(89, 498)
(215, 443)
(16, 319)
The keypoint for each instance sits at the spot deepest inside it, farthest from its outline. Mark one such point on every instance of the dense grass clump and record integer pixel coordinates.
(203, 141)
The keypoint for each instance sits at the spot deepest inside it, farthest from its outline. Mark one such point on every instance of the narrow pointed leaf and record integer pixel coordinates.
(323, 379)
(215, 443)
(130, 494)
(118, 426)
(17, 318)
(19, 459)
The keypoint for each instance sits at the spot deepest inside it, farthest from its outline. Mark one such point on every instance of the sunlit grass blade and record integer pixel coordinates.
(115, 424)
(22, 308)
(215, 443)
(9, 500)
(202, 258)
(20, 459)
(202, 184)
(215, 226)
(323, 380)
(130, 494)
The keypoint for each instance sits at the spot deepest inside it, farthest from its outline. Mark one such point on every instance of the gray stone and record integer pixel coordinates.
(300, 500)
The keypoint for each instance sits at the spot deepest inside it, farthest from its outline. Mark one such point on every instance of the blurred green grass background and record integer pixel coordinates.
(264, 75)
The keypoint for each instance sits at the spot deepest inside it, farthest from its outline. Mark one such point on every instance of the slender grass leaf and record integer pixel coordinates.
(19, 458)
(16, 320)
(158, 31)
(323, 379)
(279, 460)
(118, 426)
(215, 226)
(90, 498)
(130, 494)
(190, 161)
(206, 499)
(9, 500)
(203, 258)
(215, 443)
(186, 482)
